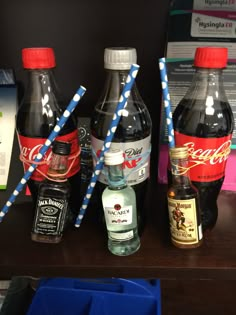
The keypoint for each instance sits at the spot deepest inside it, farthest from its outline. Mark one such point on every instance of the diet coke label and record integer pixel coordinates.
(137, 159)
(30, 147)
(207, 156)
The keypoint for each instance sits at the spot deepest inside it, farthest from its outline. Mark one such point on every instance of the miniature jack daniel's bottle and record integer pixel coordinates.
(52, 203)
(183, 203)
(119, 204)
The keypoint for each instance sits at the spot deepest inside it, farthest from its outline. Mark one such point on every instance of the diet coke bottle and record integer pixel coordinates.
(133, 133)
(203, 121)
(41, 108)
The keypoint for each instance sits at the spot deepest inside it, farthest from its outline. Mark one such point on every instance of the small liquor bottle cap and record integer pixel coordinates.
(61, 148)
(113, 157)
(178, 152)
(119, 58)
(38, 58)
(211, 57)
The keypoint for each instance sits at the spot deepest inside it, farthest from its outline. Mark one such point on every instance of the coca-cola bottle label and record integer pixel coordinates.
(30, 147)
(207, 156)
(137, 159)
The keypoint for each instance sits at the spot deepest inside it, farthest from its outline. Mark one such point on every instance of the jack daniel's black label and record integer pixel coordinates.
(50, 216)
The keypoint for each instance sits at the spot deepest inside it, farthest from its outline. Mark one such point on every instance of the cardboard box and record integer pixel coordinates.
(8, 106)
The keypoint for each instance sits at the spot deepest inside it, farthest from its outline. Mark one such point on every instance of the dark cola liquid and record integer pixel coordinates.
(189, 118)
(133, 127)
(33, 122)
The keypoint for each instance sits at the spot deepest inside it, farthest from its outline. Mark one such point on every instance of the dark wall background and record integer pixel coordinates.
(79, 30)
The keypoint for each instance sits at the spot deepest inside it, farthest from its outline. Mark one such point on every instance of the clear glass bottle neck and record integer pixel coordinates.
(180, 172)
(207, 82)
(58, 167)
(116, 176)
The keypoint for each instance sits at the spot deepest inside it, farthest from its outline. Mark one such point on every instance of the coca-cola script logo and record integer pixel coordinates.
(213, 156)
(31, 153)
(207, 156)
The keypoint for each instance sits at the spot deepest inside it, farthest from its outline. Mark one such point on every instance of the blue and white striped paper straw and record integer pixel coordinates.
(70, 108)
(107, 142)
(167, 102)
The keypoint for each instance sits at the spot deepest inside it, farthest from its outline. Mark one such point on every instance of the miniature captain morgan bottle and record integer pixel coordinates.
(183, 203)
(203, 121)
(41, 108)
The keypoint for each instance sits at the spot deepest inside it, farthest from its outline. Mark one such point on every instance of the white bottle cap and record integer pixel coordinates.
(113, 157)
(119, 58)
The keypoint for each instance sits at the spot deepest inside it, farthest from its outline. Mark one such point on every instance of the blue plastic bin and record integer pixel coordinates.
(62, 296)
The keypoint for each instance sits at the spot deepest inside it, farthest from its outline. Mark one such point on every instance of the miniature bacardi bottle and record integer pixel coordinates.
(119, 205)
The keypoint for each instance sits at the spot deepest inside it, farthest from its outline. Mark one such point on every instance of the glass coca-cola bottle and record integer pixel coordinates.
(41, 108)
(203, 121)
(133, 133)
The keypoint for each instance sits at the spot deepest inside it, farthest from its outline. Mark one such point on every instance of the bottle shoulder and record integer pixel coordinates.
(53, 188)
(112, 90)
(135, 122)
(199, 118)
(119, 190)
(182, 192)
(35, 120)
(132, 106)
(42, 106)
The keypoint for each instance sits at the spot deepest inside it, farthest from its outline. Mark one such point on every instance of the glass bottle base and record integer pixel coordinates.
(123, 248)
(187, 246)
(52, 239)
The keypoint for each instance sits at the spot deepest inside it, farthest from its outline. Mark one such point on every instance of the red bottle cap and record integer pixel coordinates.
(38, 58)
(211, 57)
